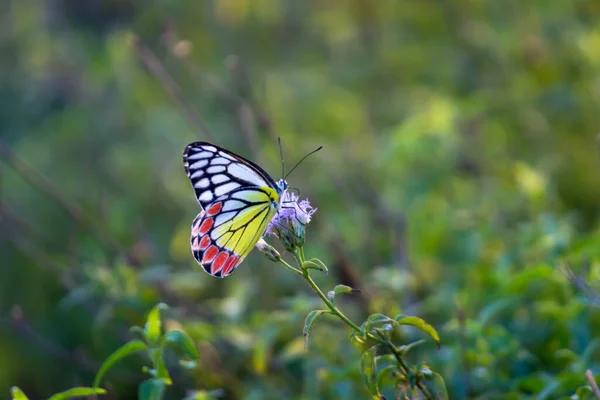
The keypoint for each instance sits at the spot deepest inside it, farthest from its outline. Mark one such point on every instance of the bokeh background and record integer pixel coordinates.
(459, 182)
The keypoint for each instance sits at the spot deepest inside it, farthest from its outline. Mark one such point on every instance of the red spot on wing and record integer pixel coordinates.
(231, 263)
(206, 225)
(204, 242)
(209, 254)
(195, 245)
(214, 209)
(219, 262)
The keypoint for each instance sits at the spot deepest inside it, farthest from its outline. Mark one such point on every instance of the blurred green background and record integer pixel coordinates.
(459, 182)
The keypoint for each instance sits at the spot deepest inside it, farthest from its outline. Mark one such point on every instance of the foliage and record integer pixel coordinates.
(154, 342)
(78, 392)
(458, 185)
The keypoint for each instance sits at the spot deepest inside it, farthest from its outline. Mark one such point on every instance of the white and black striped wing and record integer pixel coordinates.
(214, 171)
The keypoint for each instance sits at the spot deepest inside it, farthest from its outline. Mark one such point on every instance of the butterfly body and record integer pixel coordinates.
(238, 200)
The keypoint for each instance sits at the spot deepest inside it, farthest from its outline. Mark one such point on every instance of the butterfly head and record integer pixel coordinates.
(282, 186)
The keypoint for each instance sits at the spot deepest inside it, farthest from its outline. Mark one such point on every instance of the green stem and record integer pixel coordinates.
(329, 304)
(299, 256)
(288, 266)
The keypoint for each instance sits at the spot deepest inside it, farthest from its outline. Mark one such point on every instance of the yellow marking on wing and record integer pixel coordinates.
(239, 220)
(241, 233)
(272, 193)
(254, 231)
(265, 194)
(236, 239)
(247, 215)
(224, 240)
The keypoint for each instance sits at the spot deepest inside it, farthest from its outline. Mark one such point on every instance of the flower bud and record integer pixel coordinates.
(268, 250)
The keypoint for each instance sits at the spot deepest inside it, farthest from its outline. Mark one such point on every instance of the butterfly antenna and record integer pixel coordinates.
(303, 158)
(281, 155)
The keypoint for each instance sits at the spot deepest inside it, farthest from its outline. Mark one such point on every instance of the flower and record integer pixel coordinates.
(289, 223)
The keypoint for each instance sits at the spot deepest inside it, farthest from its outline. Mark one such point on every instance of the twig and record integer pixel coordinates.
(172, 88)
(19, 324)
(590, 378)
(249, 117)
(39, 182)
(581, 284)
(10, 215)
(45, 262)
(299, 256)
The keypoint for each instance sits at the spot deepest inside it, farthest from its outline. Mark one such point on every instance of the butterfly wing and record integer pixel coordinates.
(224, 234)
(237, 198)
(215, 172)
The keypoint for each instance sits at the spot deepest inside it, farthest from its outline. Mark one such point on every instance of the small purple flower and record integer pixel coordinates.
(289, 224)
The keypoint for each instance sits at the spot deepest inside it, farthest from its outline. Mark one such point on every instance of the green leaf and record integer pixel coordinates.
(77, 392)
(357, 339)
(584, 393)
(162, 372)
(315, 265)
(408, 347)
(378, 325)
(549, 389)
(377, 319)
(340, 289)
(17, 394)
(127, 349)
(152, 328)
(367, 367)
(343, 289)
(589, 351)
(387, 372)
(385, 360)
(321, 264)
(310, 320)
(420, 324)
(153, 389)
(182, 342)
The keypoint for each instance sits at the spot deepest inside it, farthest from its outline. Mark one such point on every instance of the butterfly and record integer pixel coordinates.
(238, 200)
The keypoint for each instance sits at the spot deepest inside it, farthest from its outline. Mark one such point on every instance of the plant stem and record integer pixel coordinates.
(288, 266)
(590, 377)
(398, 357)
(299, 256)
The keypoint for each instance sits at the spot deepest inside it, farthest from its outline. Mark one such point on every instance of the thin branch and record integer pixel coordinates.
(57, 269)
(13, 217)
(171, 87)
(38, 181)
(590, 377)
(248, 118)
(19, 325)
(45, 262)
(579, 281)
